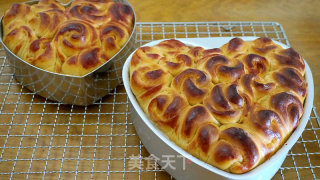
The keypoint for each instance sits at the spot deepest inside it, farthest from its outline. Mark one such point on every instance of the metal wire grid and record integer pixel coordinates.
(44, 139)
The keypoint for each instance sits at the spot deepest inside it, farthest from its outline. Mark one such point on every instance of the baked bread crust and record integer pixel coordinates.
(74, 40)
(232, 107)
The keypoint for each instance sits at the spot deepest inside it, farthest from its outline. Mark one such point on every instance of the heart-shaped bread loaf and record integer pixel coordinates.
(74, 40)
(231, 107)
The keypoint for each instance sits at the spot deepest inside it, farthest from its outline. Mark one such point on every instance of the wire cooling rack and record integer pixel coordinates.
(44, 139)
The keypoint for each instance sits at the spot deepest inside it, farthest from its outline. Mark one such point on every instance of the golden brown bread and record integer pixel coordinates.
(19, 39)
(113, 36)
(16, 16)
(42, 53)
(88, 60)
(74, 36)
(45, 23)
(227, 103)
(74, 40)
(221, 68)
(45, 5)
(165, 110)
(193, 83)
(231, 107)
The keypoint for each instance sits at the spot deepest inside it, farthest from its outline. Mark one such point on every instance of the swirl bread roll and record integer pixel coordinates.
(165, 109)
(98, 2)
(193, 83)
(221, 68)
(113, 36)
(196, 53)
(255, 64)
(176, 56)
(286, 104)
(45, 5)
(269, 126)
(191, 119)
(83, 63)
(227, 103)
(19, 39)
(121, 13)
(146, 81)
(173, 46)
(73, 36)
(288, 79)
(46, 34)
(237, 149)
(263, 46)
(42, 53)
(255, 87)
(15, 17)
(231, 107)
(203, 141)
(176, 63)
(45, 23)
(234, 47)
(289, 58)
(144, 55)
(94, 13)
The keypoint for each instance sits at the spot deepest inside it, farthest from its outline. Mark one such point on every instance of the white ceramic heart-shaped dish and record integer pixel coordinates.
(158, 144)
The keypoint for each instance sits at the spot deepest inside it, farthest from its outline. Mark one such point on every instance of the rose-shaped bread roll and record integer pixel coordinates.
(98, 2)
(193, 83)
(173, 46)
(44, 5)
(287, 105)
(231, 107)
(146, 81)
(227, 103)
(18, 40)
(268, 126)
(175, 63)
(235, 47)
(69, 33)
(255, 64)
(16, 16)
(42, 53)
(165, 110)
(144, 55)
(45, 23)
(189, 122)
(202, 143)
(263, 46)
(83, 63)
(237, 149)
(289, 58)
(289, 80)
(196, 53)
(113, 36)
(221, 68)
(74, 36)
(121, 13)
(94, 13)
(256, 87)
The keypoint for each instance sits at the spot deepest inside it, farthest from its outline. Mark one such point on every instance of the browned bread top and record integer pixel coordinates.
(231, 107)
(74, 40)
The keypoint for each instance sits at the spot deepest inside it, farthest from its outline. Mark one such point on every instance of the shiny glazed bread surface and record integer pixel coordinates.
(231, 107)
(72, 40)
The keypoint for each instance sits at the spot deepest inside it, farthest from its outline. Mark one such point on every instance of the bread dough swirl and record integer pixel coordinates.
(232, 107)
(74, 36)
(74, 40)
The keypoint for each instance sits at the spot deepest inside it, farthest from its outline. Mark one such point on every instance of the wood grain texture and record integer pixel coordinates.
(300, 20)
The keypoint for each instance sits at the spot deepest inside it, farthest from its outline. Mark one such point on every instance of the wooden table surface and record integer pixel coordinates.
(300, 20)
